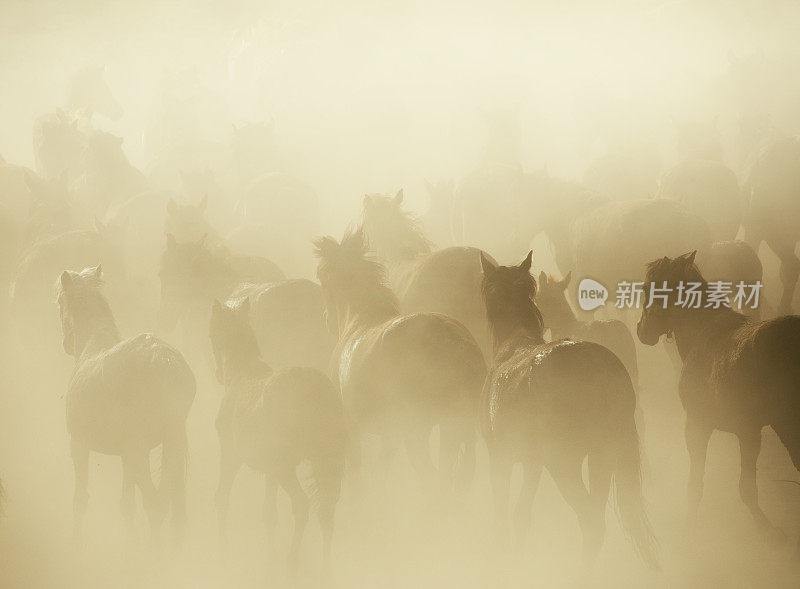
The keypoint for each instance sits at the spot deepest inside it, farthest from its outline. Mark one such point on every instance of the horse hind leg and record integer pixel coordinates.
(300, 506)
(80, 462)
(531, 474)
(601, 467)
(139, 462)
(328, 473)
(789, 272)
(500, 466)
(749, 448)
(566, 472)
(173, 481)
(127, 502)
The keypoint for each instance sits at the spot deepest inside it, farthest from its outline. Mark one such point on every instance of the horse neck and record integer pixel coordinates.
(96, 336)
(513, 326)
(696, 328)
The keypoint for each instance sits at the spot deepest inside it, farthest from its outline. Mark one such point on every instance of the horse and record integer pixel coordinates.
(443, 281)
(30, 290)
(732, 261)
(708, 189)
(288, 318)
(773, 213)
(274, 421)
(737, 377)
(193, 274)
(400, 375)
(552, 405)
(125, 398)
(106, 176)
(560, 318)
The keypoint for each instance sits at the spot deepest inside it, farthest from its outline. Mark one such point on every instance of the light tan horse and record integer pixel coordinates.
(400, 375)
(125, 398)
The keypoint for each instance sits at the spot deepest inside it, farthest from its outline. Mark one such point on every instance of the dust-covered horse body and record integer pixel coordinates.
(553, 405)
(400, 375)
(125, 398)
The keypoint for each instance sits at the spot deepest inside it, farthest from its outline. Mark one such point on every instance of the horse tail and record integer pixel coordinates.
(628, 490)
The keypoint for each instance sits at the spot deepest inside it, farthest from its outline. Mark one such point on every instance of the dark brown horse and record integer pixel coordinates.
(737, 377)
(553, 404)
(273, 421)
(400, 375)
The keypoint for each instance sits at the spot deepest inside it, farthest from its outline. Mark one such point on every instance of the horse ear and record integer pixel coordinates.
(244, 307)
(487, 266)
(97, 272)
(542, 278)
(171, 243)
(203, 204)
(527, 262)
(398, 198)
(172, 207)
(566, 280)
(690, 257)
(367, 201)
(216, 307)
(66, 280)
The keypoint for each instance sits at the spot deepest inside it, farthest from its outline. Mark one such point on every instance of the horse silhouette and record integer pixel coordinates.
(400, 375)
(273, 421)
(552, 405)
(125, 397)
(737, 377)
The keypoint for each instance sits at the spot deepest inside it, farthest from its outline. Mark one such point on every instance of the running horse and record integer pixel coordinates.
(400, 375)
(125, 398)
(553, 405)
(738, 377)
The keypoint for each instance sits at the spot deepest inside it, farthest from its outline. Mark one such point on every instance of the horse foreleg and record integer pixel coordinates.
(80, 462)
(531, 474)
(749, 448)
(789, 272)
(697, 435)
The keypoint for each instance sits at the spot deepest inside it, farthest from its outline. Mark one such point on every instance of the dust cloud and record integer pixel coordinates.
(196, 149)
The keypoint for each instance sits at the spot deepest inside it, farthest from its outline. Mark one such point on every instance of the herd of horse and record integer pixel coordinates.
(410, 327)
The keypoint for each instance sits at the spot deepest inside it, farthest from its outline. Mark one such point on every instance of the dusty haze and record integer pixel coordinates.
(369, 98)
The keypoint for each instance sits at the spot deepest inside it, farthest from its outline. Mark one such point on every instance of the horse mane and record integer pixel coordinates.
(397, 236)
(514, 312)
(350, 271)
